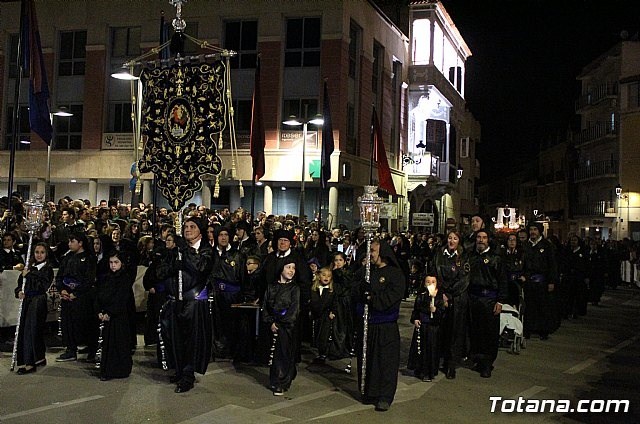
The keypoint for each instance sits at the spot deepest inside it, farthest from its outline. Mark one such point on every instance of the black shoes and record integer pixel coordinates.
(485, 373)
(104, 378)
(451, 373)
(183, 386)
(23, 371)
(427, 378)
(67, 356)
(174, 379)
(278, 392)
(382, 406)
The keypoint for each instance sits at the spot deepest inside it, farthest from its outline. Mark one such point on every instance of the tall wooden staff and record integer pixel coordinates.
(33, 222)
(369, 204)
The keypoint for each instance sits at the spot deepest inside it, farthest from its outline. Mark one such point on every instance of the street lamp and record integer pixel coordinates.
(295, 122)
(620, 196)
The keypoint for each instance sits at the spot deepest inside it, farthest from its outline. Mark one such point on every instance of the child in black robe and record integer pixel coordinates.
(112, 304)
(281, 308)
(32, 288)
(428, 310)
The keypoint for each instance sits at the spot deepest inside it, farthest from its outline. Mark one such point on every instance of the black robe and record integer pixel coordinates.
(452, 272)
(540, 270)
(77, 275)
(31, 347)
(424, 355)
(112, 299)
(186, 324)
(383, 335)
(281, 307)
(331, 337)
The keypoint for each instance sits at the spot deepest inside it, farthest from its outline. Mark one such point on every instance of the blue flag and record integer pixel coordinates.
(33, 62)
(327, 140)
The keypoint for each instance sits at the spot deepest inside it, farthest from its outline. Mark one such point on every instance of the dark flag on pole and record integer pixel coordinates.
(385, 181)
(257, 139)
(33, 62)
(327, 140)
(164, 37)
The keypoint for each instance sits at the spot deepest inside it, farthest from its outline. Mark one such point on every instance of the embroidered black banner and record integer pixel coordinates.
(183, 112)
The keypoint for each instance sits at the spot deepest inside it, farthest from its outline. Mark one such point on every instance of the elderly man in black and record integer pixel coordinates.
(541, 275)
(487, 290)
(75, 282)
(186, 323)
(383, 294)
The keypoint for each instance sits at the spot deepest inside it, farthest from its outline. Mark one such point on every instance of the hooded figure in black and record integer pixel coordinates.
(112, 305)
(185, 318)
(281, 309)
(283, 250)
(383, 294)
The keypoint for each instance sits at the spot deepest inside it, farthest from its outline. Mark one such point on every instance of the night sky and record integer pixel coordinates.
(521, 80)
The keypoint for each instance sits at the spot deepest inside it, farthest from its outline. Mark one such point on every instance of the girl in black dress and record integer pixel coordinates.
(32, 289)
(112, 301)
(281, 308)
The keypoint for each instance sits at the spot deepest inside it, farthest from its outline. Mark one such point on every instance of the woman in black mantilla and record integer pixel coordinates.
(112, 305)
(32, 289)
(281, 308)
(384, 294)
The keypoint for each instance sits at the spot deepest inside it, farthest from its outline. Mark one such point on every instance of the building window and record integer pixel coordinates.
(634, 95)
(25, 131)
(68, 131)
(72, 53)
(125, 42)
(116, 192)
(354, 49)
(396, 89)
(242, 120)
(302, 46)
(376, 75)
(24, 190)
(119, 120)
(242, 37)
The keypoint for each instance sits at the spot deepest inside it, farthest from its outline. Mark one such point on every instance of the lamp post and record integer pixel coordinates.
(370, 205)
(293, 121)
(620, 196)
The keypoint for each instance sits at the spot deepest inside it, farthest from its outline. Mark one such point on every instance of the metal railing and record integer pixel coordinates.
(595, 208)
(595, 170)
(597, 131)
(596, 94)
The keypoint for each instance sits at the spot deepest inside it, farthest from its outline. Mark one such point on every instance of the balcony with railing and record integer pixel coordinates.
(597, 94)
(597, 131)
(594, 208)
(601, 169)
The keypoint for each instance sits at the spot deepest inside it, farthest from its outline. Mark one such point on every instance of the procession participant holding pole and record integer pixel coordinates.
(186, 323)
(32, 291)
(380, 349)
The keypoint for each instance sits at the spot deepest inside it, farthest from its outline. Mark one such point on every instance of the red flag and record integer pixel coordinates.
(33, 62)
(257, 129)
(385, 181)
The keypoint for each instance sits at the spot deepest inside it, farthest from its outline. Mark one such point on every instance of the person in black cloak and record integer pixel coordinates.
(329, 309)
(33, 285)
(383, 294)
(281, 309)
(185, 318)
(75, 282)
(112, 305)
(427, 314)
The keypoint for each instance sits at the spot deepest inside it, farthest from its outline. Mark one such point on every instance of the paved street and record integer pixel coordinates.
(595, 357)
